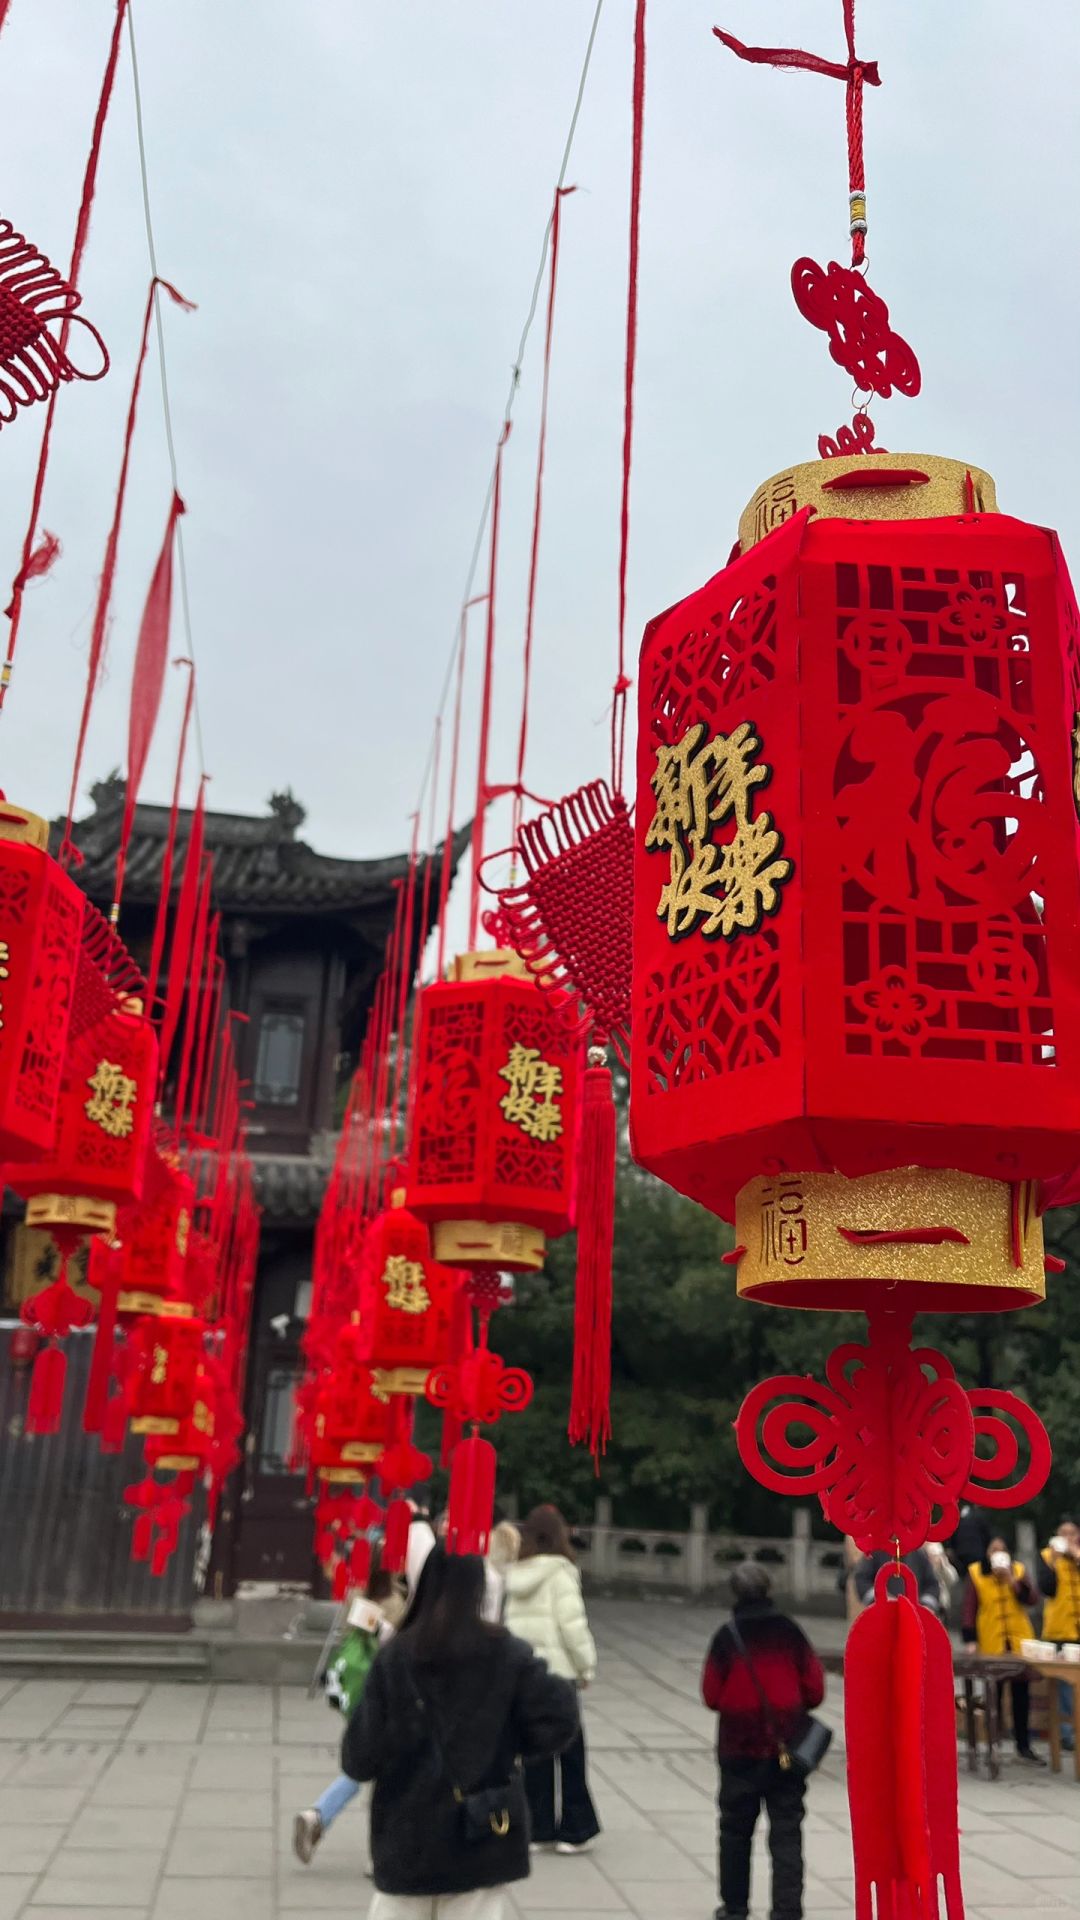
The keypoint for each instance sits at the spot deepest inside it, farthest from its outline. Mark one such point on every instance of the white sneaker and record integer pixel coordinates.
(568, 1846)
(306, 1834)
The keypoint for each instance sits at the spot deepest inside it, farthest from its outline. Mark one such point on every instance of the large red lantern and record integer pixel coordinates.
(41, 918)
(494, 1115)
(857, 883)
(856, 1021)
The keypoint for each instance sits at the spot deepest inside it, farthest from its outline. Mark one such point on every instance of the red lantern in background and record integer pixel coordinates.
(98, 1162)
(155, 1240)
(405, 1302)
(494, 1115)
(41, 919)
(166, 1378)
(350, 1421)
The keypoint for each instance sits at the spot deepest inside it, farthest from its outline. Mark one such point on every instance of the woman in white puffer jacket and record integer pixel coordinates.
(544, 1606)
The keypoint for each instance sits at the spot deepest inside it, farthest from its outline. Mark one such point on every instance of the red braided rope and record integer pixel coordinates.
(622, 683)
(538, 499)
(157, 948)
(853, 72)
(482, 795)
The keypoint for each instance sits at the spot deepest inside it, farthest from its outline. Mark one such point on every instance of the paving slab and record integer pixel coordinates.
(174, 1801)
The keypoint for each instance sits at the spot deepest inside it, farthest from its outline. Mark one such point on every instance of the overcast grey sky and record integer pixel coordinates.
(354, 192)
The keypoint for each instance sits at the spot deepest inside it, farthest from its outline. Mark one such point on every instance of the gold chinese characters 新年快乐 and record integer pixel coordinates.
(700, 783)
(534, 1085)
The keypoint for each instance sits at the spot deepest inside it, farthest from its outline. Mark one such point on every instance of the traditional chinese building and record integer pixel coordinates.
(303, 936)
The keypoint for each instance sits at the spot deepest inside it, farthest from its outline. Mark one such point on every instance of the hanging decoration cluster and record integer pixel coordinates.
(121, 1117)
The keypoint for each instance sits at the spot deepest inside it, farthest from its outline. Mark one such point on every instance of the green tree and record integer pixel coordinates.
(685, 1351)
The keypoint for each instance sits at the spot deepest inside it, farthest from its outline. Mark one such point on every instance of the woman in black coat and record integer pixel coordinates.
(451, 1706)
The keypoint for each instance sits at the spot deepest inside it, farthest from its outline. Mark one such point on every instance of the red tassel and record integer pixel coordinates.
(142, 1533)
(46, 1403)
(114, 1424)
(590, 1401)
(101, 1362)
(340, 1584)
(901, 1785)
(396, 1538)
(471, 1506)
(360, 1562)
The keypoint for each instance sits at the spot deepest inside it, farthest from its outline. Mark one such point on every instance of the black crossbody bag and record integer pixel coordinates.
(486, 1812)
(806, 1750)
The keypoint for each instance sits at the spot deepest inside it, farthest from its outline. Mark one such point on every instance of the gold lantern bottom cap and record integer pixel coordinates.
(386, 1380)
(78, 1210)
(921, 1238)
(489, 1243)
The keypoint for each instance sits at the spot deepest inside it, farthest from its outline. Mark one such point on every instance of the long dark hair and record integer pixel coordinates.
(545, 1531)
(443, 1623)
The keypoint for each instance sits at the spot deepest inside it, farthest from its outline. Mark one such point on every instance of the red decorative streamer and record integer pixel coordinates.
(157, 948)
(108, 569)
(147, 680)
(183, 927)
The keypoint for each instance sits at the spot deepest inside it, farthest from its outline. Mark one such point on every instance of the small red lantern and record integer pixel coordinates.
(155, 1240)
(98, 1161)
(41, 919)
(169, 1355)
(494, 1115)
(405, 1301)
(350, 1420)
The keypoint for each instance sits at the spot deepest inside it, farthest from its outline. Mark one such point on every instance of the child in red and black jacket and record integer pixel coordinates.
(748, 1741)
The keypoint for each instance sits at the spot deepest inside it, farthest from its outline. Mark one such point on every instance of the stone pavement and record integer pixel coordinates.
(173, 1802)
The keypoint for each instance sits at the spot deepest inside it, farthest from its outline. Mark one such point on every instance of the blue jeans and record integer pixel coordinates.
(337, 1795)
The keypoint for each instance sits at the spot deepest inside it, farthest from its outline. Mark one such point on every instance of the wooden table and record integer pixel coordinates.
(991, 1669)
(1066, 1673)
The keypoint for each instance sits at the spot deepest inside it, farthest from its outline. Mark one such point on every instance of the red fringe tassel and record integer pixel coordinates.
(471, 1507)
(590, 1402)
(46, 1403)
(396, 1537)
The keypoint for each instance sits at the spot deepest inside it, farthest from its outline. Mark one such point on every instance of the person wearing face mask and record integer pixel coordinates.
(1058, 1574)
(996, 1620)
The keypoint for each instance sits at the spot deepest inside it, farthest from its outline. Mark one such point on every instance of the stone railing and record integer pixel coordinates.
(697, 1561)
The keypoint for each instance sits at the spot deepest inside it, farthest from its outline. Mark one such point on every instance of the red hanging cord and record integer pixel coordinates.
(195, 989)
(455, 749)
(405, 978)
(854, 73)
(5, 6)
(183, 927)
(158, 944)
(204, 1033)
(538, 498)
(147, 680)
(485, 697)
(37, 560)
(622, 683)
(108, 569)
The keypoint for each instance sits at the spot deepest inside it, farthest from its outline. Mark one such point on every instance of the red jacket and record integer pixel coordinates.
(788, 1670)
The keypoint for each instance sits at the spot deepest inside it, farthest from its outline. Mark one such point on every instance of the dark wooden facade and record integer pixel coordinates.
(304, 936)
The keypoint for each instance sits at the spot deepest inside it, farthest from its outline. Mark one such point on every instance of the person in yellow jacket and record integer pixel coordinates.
(996, 1619)
(1058, 1574)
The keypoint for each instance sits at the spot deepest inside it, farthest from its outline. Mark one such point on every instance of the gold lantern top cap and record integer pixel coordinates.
(491, 964)
(397, 1196)
(909, 486)
(16, 823)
